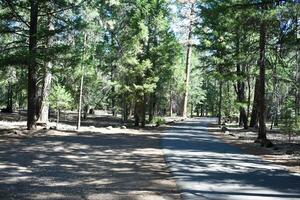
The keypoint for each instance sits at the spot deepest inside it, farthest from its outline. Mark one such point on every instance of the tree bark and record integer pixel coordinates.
(80, 102)
(254, 112)
(9, 105)
(152, 103)
(57, 118)
(249, 93)
(188, 62)
(243, 121)
(136, 114)
(113, 96)
(86, 111)
(124, 109)
(297, 103)
(32, 67)
(220, 102)
(171, 103)
(143, 120)
(262, 136)
(81, 87)
(43, 112)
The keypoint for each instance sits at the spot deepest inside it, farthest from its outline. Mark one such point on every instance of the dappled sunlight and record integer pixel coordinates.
(84, 166)
(207, 168)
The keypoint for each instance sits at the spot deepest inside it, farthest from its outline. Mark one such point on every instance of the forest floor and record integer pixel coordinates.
(284, 152)
(101, 161)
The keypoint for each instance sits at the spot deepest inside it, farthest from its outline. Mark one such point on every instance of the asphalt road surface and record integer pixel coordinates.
(206, 168)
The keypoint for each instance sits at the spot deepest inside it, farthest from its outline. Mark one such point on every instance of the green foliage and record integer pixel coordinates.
(289, 120)
(131, 52)
(60, 98)
(158, 121)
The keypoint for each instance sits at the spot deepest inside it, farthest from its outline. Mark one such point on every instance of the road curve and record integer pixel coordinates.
(207, 168)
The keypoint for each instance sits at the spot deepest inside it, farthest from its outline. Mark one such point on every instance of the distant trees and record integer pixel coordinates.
(30, 26)
(249, 46)
(137, 60)
(130, 48)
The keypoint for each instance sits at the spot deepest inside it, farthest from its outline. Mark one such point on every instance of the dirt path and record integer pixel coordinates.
(278, 154)
(85, 165)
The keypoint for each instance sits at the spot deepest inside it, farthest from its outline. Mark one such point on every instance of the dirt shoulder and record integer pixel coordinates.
(283, 153)
(93, 163)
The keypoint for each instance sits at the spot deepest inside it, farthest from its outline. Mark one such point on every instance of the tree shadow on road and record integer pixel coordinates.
(85, 166)
(210, 169)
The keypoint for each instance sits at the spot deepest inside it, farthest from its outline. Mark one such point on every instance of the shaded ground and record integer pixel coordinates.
(284, 152)
(116, 164)
(207, 168)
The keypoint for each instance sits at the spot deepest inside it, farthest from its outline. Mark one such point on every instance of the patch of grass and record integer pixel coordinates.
(158, 121)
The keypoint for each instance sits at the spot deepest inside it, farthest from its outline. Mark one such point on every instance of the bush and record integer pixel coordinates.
(158, 121)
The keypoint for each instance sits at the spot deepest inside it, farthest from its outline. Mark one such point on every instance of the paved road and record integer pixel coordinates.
(207, 168)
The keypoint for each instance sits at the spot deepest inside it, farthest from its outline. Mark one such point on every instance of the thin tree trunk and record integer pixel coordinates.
(9, 105)
(202, 111)
(57, 118)
(152, 103)
(136, 115)
(220, 102)
(124, 109)
(171, 104)
(81, 87)
(80, 101)
(297, 103)
(188, 62)
(143, 120)
(113, 97)
(254, 112)
(85, 111)
(32, 68)
(249, 93)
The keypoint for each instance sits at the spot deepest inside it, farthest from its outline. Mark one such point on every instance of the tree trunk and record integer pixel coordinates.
(32, 67)
(171, 104)
(57, 118)
(9, 105)
(43, 112)
(188, 62)
(249, 93)
(81, 86)
(124, 109)
(43, 116)
(152, 106)
(113, 102)
(86, 110)
(243, 121)
(298, 79)
(262, 135)
(80, 102)
(113, 97)
(220, 103)
(143, 120)
(254, 112)
(136, 115)
(202, 111)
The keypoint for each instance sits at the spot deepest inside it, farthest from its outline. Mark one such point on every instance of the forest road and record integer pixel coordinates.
(63, 165)
(207, 168)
